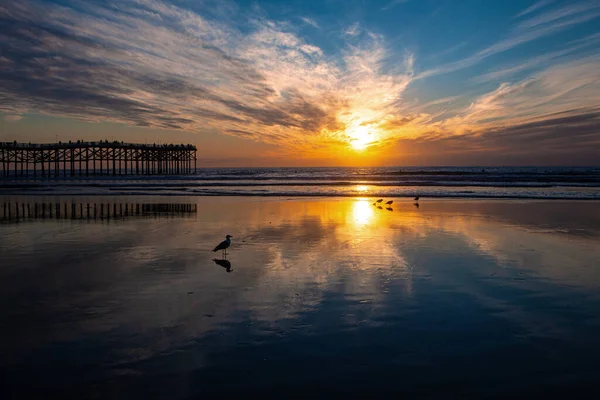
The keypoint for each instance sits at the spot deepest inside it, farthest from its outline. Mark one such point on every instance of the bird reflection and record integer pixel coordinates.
(380, 207)
(389, 208)
(223, 263)
(417, 205)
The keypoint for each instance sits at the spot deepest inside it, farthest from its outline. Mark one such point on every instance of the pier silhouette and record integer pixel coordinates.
(103, 158)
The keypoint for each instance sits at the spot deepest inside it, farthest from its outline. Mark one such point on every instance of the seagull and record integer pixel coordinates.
(389, 202)
(224, 245)
(417, 198)
(379, 201)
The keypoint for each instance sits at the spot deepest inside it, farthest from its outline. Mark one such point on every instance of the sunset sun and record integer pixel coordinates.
(360, 138)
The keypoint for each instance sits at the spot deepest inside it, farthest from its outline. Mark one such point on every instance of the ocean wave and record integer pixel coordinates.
(513, 182)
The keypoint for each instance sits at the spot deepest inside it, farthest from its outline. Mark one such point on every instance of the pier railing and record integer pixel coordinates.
(48, 160)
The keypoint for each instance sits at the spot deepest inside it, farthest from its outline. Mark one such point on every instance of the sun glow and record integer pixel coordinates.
(360, 137)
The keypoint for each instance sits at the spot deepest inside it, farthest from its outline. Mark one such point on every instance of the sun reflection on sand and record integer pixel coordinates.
(362, 212)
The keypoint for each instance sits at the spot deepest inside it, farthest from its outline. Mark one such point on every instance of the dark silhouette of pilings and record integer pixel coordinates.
(24, 211)
(25, 160)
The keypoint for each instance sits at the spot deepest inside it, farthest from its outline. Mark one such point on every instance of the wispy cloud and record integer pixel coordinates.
(549, 23)
(13, 118)
(557, 14)
(550, 91)
(309, 21)
(534, 7)
(538, 62)
(353, 29)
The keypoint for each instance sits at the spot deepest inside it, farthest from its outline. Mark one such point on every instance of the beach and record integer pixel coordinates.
(327, 295)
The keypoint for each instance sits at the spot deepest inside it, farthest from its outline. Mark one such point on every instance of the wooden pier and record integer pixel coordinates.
(26, 160)
(12, 212)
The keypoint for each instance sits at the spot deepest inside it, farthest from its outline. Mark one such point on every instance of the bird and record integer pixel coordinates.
(224, 245)
(417, 198)
(389, 209)
(389, 202)
(379, 201)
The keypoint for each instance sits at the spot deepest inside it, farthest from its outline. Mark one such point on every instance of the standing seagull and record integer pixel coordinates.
(224, 245)
(379, 201)
(417, 198)
(389, 202)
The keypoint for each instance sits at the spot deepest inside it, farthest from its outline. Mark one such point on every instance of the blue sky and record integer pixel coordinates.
(402, 82)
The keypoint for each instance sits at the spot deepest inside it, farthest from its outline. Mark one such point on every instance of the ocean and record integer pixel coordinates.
(440, 182)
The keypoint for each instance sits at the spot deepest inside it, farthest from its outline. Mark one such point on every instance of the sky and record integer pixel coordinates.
(309, 83)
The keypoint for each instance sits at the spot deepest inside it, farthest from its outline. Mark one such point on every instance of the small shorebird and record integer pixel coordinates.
(417, 198)
(379, 201)
(389, 202)
(224, 245)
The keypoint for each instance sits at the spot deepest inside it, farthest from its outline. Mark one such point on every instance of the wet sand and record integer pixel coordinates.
(453, 298)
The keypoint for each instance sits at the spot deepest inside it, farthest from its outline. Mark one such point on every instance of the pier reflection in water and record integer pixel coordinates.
(24, 211)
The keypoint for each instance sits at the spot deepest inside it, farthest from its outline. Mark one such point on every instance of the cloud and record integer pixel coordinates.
(556, 14)
(352, 30)
(147, 63)
(309, 21)
(536, 27)
(152, 64)
(548, 91)
(534, 7)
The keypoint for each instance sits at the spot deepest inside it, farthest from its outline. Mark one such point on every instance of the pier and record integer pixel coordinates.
(52, 160)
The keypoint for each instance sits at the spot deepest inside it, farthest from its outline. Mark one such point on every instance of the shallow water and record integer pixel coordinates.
(322, 296)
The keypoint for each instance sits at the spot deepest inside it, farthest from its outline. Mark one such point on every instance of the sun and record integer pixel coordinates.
(360, 137)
